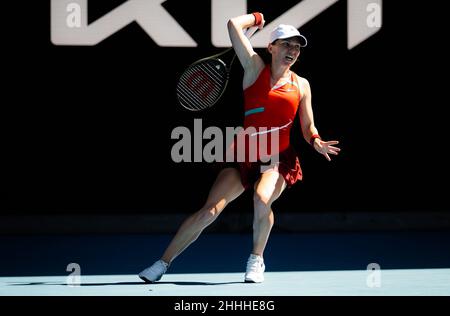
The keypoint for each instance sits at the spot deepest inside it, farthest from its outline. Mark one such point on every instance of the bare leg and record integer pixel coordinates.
(225, 189)
(267, 190)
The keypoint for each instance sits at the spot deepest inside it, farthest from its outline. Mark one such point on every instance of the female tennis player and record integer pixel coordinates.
(273, 94)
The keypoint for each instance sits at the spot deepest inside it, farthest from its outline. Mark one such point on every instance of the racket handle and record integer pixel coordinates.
(250, 31)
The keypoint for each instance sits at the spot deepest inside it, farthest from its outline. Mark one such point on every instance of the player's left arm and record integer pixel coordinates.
(309, 130)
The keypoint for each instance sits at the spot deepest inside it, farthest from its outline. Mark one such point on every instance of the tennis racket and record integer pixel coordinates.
(203, 83)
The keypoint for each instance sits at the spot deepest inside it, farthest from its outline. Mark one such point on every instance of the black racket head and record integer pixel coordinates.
(202, 84)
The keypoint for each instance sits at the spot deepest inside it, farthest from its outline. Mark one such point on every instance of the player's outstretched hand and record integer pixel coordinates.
(326, 147)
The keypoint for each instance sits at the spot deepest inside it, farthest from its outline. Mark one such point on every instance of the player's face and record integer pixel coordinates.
(285, 51)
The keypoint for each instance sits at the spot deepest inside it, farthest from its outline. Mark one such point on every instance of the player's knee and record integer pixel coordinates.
(261, 199)
(262, 207)
(210, 212)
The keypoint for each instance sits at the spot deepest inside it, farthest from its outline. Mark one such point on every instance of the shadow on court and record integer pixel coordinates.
(124, 283)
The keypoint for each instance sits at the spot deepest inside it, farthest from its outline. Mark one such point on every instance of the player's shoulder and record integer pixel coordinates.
(303, 82)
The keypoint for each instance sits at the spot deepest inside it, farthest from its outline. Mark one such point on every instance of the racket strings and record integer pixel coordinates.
(214, 92)
(201, 89)
(202, 84)
(188, 96)
(193, 100)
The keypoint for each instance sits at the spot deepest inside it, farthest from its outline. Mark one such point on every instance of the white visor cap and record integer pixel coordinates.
(283, 31)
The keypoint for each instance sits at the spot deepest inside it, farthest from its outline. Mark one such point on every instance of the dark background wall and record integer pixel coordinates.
(87, 129)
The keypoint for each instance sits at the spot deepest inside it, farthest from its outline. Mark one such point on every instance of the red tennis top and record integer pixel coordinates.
(272, 110)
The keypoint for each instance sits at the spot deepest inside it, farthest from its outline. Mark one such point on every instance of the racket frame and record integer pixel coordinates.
(248, 33)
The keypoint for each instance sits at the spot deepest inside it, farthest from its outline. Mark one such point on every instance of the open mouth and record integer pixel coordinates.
(289, 58)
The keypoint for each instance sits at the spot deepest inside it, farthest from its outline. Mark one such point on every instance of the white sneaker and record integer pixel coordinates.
(154, 272)
(255, 269)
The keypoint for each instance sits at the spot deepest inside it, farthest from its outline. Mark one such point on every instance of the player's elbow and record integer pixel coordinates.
(231, 24)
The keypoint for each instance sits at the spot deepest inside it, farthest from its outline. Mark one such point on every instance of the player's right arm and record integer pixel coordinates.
(250, 60)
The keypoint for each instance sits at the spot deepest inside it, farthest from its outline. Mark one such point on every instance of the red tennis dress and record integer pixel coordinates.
(269, 116)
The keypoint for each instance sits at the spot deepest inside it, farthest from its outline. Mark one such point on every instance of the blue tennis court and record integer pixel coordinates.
(300, 264)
